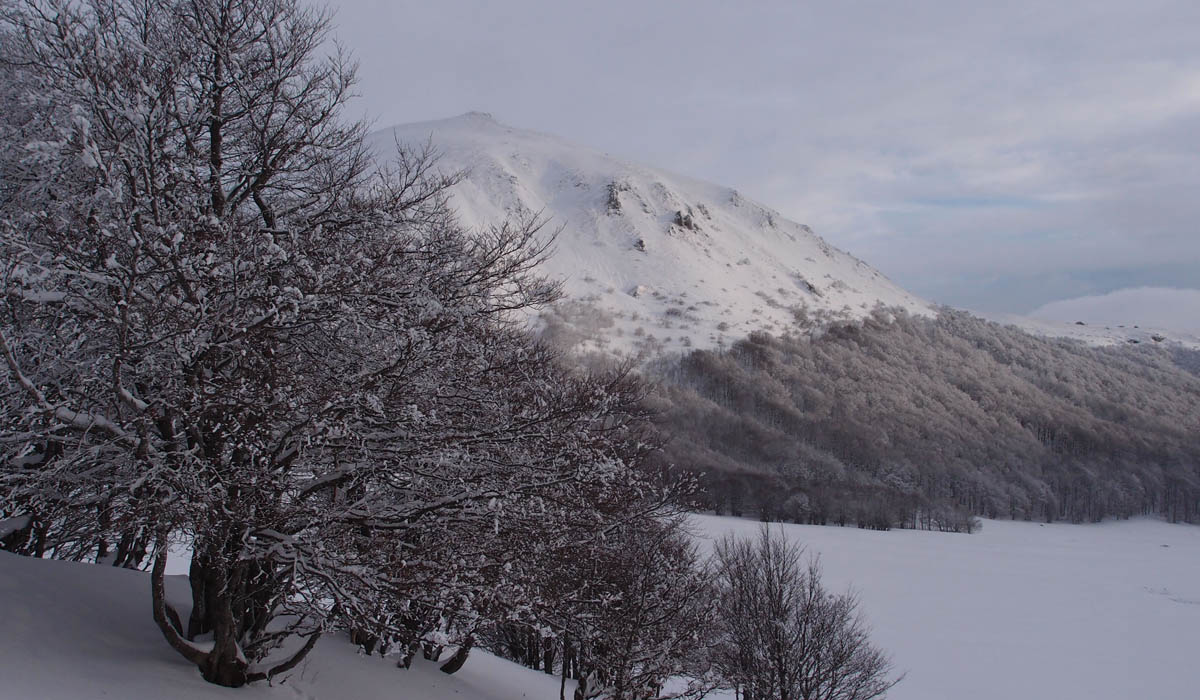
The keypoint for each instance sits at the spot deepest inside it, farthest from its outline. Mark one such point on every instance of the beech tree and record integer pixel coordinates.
(651, 620)
(581, 435)
(223, 325)
(783, 636)
(622, 613)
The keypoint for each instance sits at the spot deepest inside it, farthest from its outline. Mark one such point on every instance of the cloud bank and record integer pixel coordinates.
(995, 156)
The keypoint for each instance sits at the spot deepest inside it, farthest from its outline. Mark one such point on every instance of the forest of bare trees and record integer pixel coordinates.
(901, 421)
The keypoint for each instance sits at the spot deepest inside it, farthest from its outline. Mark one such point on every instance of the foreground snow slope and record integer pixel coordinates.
(1022, 610)
(684, 261)
(76, 632)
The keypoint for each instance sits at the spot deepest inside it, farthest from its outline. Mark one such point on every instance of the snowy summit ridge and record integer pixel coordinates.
(650, 260)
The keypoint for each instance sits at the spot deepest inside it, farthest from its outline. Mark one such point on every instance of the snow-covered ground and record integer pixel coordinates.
(1023, 610)
(77, 632)
(1019, 610)
(653, 260)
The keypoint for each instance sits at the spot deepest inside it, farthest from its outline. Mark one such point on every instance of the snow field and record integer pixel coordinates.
(1021, 610)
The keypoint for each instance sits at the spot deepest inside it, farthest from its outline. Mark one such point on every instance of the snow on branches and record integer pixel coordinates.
(223, 324)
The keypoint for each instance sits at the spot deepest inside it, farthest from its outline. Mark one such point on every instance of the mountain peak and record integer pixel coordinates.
(651, 261)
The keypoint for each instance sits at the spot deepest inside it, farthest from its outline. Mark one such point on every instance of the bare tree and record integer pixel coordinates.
(783, 636)
(221, 324)
(655, 618)
(636, 610)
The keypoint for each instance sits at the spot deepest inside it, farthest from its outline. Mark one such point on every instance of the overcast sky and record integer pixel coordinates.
(994, 156)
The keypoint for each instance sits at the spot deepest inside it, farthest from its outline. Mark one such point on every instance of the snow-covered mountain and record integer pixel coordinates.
(653, 261)
(650, 260)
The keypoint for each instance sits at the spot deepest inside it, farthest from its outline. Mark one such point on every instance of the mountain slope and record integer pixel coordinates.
(650, 260)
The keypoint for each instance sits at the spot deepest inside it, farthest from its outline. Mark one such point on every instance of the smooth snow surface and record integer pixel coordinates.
(654, 261)
(1022, 610)
(1019, 610)
(79, 631)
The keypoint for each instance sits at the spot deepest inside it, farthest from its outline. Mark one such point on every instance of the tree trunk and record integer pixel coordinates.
(131, 550)
(548, 656)
(226, 665)
(410, 652)
(213, 595)
(431, 651)
(203, 590)
(562, 681)
(365, 640)
(460, 656)
(159, 603)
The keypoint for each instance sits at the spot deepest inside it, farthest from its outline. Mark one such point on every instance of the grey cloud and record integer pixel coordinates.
(962, 148)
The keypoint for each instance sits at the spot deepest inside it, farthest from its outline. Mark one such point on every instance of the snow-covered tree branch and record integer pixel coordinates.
(225, 326)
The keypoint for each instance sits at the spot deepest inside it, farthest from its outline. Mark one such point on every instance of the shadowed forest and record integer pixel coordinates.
(902, 421)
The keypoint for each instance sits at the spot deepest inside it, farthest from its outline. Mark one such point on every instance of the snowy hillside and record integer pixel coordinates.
(650, 259)
(1020, 610)
(1098, 335)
